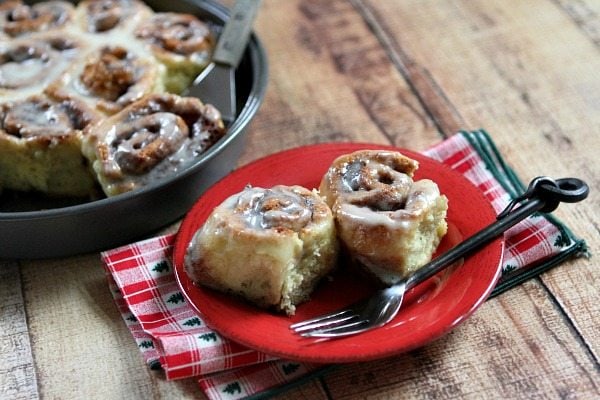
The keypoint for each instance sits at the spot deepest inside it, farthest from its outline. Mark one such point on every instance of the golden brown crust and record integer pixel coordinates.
(88, 54)
(40, 146)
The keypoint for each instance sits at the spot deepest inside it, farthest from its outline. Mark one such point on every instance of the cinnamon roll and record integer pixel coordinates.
(109, 79)
(28, 65)
(150, 139)
(40, 147)
(181, 42)
(111, 16)
(268, 246)
(388, 223)
(18, 19)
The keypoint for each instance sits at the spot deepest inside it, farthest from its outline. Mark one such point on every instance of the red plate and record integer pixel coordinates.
(429, 311)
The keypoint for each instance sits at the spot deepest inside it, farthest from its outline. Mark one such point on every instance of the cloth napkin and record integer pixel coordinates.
(173, 338)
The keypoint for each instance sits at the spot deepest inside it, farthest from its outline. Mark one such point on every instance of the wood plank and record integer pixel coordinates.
(515, 346)
(81, 347)
(355, 71)
(17, 371)
(331, 80)
(529, 75)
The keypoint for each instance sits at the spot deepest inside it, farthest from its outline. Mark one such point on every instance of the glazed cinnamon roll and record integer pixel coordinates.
(149, 140)
(389, 223)
(180, 41)
(268, 246)
(111, 16)
(28, 65)
(40, 147)
(109, 79)
(18, 19)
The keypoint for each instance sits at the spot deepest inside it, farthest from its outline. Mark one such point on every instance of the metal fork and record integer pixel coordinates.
(543, 194)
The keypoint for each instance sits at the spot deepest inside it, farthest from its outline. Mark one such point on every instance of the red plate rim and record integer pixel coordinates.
(431, 310)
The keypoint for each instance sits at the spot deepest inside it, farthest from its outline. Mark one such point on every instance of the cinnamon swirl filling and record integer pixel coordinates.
(271, 246)
(106, 15)
(181, 42)
(276, 208)
(181, 34)
(388, 222)
(18, 19)
(108, 79)
(40, 147)
(41, 117)
(30, 63)
(150, 139)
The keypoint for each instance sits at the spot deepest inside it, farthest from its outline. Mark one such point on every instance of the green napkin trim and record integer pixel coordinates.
(508, 179)
(573, 246)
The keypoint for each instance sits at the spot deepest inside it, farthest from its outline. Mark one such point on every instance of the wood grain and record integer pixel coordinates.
(402, 72)
(17, 371)
(515, 346)
(330, 80)
(532, 80)
(79, 339)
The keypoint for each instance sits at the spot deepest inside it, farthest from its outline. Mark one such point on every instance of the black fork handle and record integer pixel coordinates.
(543, 194)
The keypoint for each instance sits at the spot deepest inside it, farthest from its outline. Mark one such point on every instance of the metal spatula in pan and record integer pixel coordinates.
(216, 84)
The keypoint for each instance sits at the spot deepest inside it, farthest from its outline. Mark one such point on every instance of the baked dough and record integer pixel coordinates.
(27, 65)
(268, 246)
(40, 147)
(99, 56)
(111, 17)
(109, 79)
(389, 223)
(19, 19)
(149, 140)
(181, 42)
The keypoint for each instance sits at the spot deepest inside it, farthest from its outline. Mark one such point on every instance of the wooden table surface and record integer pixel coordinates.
(407, 73)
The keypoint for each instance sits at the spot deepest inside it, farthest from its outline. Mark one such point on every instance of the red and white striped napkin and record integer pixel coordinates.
(172, 337)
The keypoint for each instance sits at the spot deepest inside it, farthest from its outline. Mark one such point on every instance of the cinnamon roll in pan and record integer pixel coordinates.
(268, 246)
(32, 225)
(181, 42)
(389, 223)
(110, 17)
(19, 19)
(28, 65)
(40, 147)
(149, 140)
(109, 78)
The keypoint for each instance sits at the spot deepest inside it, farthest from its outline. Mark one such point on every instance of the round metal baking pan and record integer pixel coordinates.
(110, 222)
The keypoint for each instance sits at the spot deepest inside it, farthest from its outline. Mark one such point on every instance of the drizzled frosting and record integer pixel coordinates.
(377, 188)
(150, 139)
(280, 207)
(106, 15)
(388, 222)
(18, 19)
(27, 65)
(180, 34)
(41, 117)
(141, 143)
(109, 79)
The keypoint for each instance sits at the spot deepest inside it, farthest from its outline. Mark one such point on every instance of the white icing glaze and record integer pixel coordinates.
(278, 207)
(39, 116)
(177, 35)
(28, 65)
